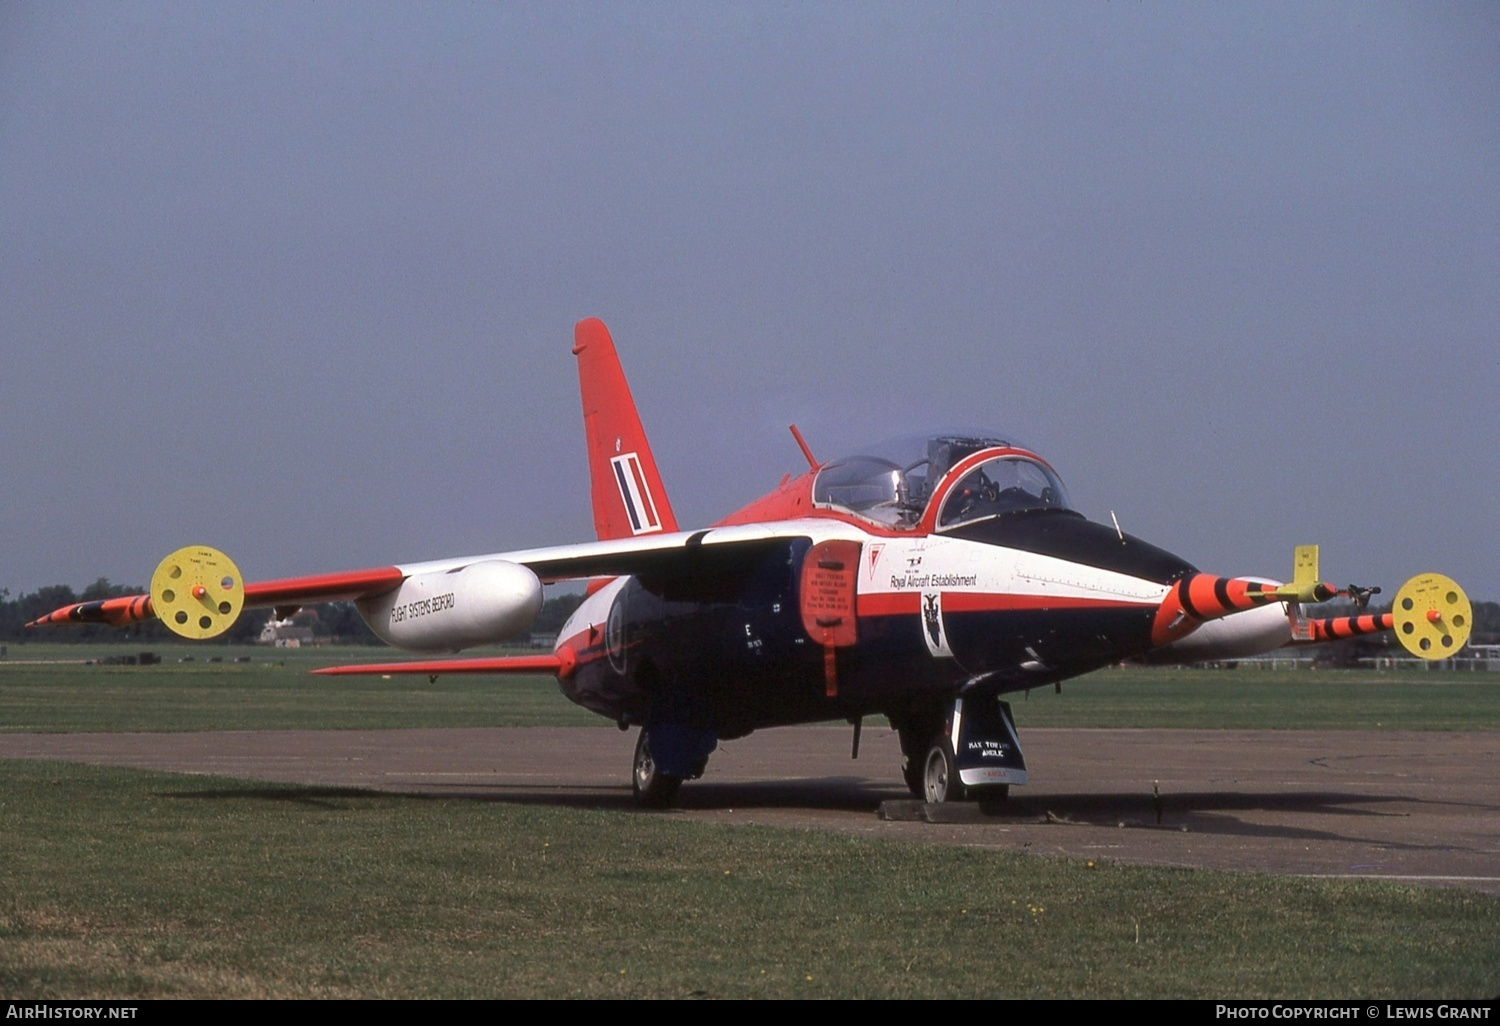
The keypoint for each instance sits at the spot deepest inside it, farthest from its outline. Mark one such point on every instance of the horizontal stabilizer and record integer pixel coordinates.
(559, 663)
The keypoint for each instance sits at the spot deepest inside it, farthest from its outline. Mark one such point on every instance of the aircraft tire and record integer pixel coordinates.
(653, 788)
(940, 781)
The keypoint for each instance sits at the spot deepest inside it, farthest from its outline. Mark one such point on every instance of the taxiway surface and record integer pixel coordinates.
(1413, 807)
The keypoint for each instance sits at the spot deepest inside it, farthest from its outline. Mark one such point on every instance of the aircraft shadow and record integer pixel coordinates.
(1220, 813)
(829, 794)
(1212, 813)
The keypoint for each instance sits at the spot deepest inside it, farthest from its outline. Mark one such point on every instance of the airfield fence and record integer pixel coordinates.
(1484, 662)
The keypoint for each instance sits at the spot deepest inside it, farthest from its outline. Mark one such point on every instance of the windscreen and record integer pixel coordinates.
(891, 482)
(1006, 484)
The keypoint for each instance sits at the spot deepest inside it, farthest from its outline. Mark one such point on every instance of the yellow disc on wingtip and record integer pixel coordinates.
(1432, 616)
(197, 592)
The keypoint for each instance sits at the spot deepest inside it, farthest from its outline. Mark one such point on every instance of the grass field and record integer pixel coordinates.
(272, 691)
(130, 884)
(49, 688)
(120, 883)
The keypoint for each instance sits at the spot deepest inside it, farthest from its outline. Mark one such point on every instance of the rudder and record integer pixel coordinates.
(625, 486)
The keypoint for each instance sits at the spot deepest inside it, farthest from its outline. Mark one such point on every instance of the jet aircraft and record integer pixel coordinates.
(919, 579)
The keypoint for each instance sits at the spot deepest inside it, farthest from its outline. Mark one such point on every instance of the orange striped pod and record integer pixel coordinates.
(130, 609)
(1338, 627)
(1198, 598)
(119, 612)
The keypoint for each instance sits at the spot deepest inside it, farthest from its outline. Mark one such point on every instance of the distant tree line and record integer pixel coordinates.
(15, 613)
(337, 621)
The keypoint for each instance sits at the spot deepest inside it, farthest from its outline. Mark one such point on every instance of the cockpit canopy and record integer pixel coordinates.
(893, 483)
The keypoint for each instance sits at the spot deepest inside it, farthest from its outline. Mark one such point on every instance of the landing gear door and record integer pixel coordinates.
(827, 594)
(985, 747)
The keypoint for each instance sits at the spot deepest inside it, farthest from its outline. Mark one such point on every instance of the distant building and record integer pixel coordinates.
(284, 634)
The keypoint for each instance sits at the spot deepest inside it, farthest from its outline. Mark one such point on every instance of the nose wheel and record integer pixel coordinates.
(969, 754)
(940, 781)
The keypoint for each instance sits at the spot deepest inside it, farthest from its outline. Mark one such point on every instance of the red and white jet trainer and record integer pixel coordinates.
(919, 579)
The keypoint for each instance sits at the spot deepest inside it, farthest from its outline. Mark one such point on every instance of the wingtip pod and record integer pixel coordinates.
(117, 612)
(197, 592)
(1432, 616)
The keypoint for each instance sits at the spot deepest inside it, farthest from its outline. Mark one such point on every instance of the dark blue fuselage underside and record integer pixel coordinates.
(724, 649)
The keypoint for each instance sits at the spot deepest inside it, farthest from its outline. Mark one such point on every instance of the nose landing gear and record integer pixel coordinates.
(940, 781)
(971, 754)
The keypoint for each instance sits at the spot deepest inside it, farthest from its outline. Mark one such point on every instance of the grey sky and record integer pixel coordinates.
(299, 280)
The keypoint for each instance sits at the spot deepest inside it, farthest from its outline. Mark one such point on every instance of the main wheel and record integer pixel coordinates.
(940, 781)
(653, 788)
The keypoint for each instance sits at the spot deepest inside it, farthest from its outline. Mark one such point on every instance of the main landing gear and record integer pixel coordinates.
(666, 754)
(970, 753)
(653, 788)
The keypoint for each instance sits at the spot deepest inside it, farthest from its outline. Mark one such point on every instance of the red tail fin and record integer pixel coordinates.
(626, 488)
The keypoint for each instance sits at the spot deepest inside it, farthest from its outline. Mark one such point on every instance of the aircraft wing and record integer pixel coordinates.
(291, 592)
(638, 556)
(198, 605)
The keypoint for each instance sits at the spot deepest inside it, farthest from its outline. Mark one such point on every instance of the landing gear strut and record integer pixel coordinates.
(653, 788)
(666, 754)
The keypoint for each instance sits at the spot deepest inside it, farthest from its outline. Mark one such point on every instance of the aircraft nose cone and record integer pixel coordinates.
(1042, 636)
(1070, 537)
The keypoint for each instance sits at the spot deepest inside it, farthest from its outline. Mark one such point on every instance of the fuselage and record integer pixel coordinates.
(878, 590)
